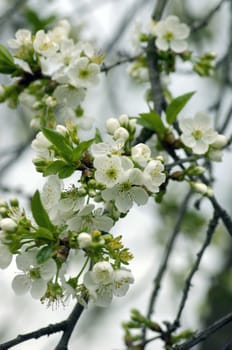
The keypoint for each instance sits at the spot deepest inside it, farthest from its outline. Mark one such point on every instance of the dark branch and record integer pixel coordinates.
(66, 326)
(205, 334)
(207, 19)
(70, 325)
(188, 283)
(164, 263)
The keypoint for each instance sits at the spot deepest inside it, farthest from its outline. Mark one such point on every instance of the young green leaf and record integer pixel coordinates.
(81, 148)
(65, 171)
(44, 254)
(152, 121)
(7, 65)
(54, 167)
(60, 142)
(39, 213)
(43, 233)
(176, 106)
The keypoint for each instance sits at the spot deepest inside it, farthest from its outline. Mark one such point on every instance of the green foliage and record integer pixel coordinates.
(7, 65)
(35, 21)
(176, 106)
(60, 141)
(44, 254)
(80, 149)
(152, 121)
(39, 213)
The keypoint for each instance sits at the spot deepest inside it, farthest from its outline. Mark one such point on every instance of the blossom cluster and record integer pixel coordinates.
(56, 71)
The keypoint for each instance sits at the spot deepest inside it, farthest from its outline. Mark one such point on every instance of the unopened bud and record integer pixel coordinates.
(8, 225)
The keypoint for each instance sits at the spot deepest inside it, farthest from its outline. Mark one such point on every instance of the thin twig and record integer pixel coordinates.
(188, 283)
(226, 219)
(66, 326)
(164, 263)
(51, 329)
(205, 334)
(207, 19)
(106, 68)
(159, 9)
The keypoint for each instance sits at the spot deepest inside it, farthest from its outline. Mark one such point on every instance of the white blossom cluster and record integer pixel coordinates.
(73, 66)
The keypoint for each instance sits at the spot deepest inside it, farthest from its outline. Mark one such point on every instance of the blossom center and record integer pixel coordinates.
(197, 134)
(168, 36)
(112, 173)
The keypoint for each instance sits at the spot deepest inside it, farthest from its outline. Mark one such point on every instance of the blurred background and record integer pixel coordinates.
(110, 25)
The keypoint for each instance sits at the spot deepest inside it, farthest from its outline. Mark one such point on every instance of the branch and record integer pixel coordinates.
(211, 229)
(163, 266)
(159, 9)
(70, 325)
(207, 19)
(66, 326)
(201, 336)
(106, 69)
(222, 213)
(167, 253)
(51, 329)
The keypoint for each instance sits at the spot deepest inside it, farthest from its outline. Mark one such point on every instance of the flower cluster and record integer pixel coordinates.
(55, 72)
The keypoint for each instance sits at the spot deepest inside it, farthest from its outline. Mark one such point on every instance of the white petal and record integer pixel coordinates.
(48, 269)
(38, 288)
(5, 257)
(179, 45)
(123, 201)
(162, 44)
(188, 140)
(139, 195)
(201, 147)
(186, 125)
(201, 121)
(21, 284)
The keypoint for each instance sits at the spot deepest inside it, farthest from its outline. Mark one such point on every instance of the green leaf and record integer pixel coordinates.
(80, 149)
(152, 121)
(60, 142)
(176, 106)
(7, 65)
(43, 233)
(44, 254)
(39, 213)
(65, 171)
(37, 22)
(54, 167)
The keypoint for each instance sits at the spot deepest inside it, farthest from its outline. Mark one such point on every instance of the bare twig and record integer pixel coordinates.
(159, 9)
(211, 229)
(106, 68)
(205, 334)
(66, 326)
(207, 19)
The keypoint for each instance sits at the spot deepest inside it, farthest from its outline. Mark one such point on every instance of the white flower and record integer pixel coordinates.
(121, 134)
(112, 124)
(171, 34)
(197, 133)
(103, 282)
(141, 154)
(109, 170)
(34, 277)
(69, 96)
(8, 225)
(84, 240)
(5, 256)
(23, 37)
(126, 193)
(82, 73)
(41, 146)
(89, 219)
(51, 195)
(44, 44)
(153, 175)
(106, 149)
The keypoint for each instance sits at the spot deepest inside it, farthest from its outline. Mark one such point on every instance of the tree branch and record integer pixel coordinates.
(159, 9)
(66, 326)
(70, 325)
(167, 253)
(211, 229)
(207, 19)
(205, 334)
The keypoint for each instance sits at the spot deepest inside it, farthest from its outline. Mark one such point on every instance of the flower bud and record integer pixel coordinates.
(121, 134)
(112, 124)
(84, 240)
(123, 120)
(61, 129)
(8, 225)
(220, 141)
